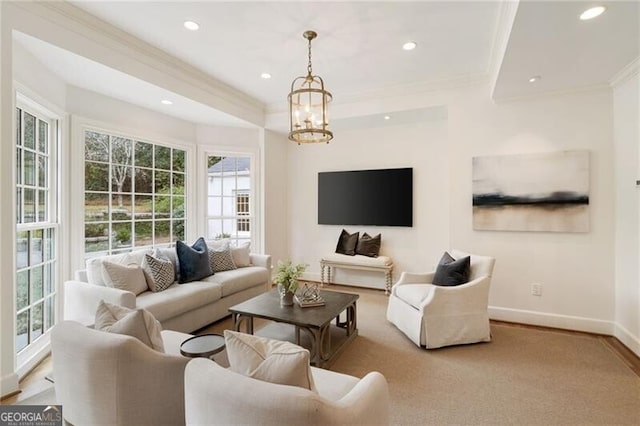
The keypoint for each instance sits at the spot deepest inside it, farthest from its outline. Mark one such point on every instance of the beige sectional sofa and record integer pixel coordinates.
(181, 307)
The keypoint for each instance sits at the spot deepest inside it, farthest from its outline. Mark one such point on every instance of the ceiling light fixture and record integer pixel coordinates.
(387, 117)
(410, 45)
(166, 102)
(308, 101)
(534, 79)
(192, 26)
(592, 13)
(265, 75)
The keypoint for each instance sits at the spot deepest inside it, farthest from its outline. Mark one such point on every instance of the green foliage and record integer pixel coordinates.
(123, 235)
(222, 236)
(212, 161)
(95, 230)
(287, 274)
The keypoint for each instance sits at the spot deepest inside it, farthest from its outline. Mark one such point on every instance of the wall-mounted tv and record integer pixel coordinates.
(381, 197)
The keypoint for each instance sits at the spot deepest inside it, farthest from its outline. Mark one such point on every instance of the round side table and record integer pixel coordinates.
(205, 345)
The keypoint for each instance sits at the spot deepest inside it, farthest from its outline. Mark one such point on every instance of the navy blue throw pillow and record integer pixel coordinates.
(193, 261)
(451, 272)
(347, 243)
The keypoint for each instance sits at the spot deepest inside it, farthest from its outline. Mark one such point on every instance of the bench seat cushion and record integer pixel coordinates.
(179, 298)
(381, 261)
(236, 280)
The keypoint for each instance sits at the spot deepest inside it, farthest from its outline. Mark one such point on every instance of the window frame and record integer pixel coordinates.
(255, 205)
(25, 99)
(81, 124)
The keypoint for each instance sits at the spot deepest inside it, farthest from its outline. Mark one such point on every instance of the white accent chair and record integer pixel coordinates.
(436, 316)
(218, 396)
(111, 379)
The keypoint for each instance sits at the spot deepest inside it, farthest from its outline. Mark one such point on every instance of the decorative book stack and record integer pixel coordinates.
(309, 302)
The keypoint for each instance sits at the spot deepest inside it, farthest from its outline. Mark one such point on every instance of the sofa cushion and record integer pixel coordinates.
(239, 279)
(128, 278)
(242, 254)
(368, 245)
(269, 360)
(194, 260)
(358, 259)
(220, 258)
(413, 294)
(94, 264)
(160, 272)
(137, 323)
(347, 243)
(451, 272)
(179, 298)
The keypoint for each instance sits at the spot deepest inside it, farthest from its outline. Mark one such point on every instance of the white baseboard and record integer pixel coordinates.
(9, 384)
(627, 339)
(552, 320)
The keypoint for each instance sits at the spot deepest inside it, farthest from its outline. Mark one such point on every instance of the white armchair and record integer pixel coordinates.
(111, 379)
(218, 396)
(436, 316)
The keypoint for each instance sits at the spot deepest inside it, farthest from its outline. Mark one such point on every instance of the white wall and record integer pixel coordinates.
(575, 270)
(276, 190)
(626, 111)
(419, 145)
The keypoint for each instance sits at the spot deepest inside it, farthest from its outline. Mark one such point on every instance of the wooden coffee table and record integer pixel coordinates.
(315, 321)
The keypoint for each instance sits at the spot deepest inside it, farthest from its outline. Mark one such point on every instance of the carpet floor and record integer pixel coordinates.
(524, 376)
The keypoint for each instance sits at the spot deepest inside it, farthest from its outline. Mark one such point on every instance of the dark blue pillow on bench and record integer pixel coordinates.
(193, 261)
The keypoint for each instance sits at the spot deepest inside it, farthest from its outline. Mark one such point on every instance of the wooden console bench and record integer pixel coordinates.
(363, 263)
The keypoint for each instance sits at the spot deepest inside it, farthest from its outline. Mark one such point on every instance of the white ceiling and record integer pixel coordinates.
(358, 50)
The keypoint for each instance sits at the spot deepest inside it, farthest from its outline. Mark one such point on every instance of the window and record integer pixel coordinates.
(134, 194)
(36, 223)
(229, 198)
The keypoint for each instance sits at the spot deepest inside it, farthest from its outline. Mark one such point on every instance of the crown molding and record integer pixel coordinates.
(417, 88)
(218, 94)
(629, 71)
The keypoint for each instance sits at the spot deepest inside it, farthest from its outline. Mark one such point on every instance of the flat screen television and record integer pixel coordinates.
(381, 197)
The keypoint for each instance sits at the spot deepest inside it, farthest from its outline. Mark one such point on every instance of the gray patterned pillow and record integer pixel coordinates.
(221, 259)
(161, 272)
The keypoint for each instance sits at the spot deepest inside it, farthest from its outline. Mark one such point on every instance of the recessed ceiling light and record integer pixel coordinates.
(190, 25)
(265, 75)
(592, 13)
(166, 102)
(410, 45)
(534, 79)
(387, 117)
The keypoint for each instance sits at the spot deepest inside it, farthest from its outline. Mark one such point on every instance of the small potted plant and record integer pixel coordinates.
(286, 277)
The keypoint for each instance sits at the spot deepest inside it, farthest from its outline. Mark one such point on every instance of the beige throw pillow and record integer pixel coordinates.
(160, 273)
(241, 255)
(269, 360)
(138, 323)
(129, 278)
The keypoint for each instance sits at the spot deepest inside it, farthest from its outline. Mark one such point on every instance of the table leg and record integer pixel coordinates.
(238, 319)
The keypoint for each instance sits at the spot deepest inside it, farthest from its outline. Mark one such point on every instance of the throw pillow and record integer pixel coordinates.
(94, 264)
(269, 360)
(242, 255)
(160, 272)
(128, 278)
(347, 243)
(221, 259)
(368, 245)
(169, 253)
(138, 323)
(452, 272)
(194, 261)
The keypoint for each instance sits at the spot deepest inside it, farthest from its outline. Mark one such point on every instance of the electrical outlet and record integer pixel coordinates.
(536, 289)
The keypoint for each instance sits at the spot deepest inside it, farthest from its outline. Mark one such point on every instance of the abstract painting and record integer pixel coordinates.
(546, 192)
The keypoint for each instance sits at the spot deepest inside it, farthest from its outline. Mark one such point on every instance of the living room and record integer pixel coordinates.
(436, 126)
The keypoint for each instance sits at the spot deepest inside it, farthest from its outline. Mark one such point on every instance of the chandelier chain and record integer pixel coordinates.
(309, 65)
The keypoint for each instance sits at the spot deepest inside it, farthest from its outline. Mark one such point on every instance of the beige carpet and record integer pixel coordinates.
(524, 376)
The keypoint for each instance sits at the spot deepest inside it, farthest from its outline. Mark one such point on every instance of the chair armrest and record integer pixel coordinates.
(470, 297)
(368, 400)
(415, 278)
(261, 260)
(81, 300)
